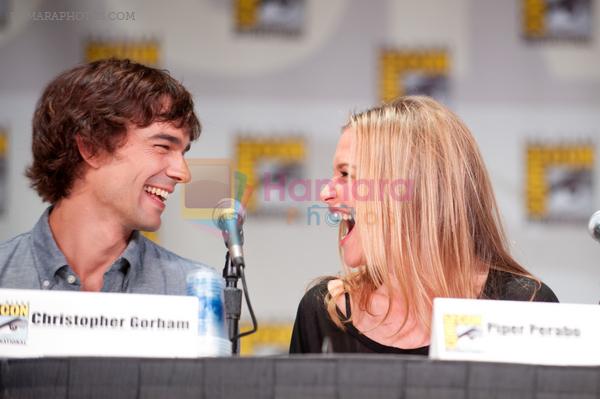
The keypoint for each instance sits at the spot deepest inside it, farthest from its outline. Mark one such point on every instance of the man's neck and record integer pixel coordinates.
(88, 237)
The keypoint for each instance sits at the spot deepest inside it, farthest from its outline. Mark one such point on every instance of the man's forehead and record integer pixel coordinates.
(161, 129)
(168, 127)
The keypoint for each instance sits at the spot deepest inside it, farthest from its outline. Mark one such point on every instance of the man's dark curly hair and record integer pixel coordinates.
(98, 102)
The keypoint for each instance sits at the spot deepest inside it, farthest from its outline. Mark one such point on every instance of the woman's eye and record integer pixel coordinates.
(344, 174)
(165, 147)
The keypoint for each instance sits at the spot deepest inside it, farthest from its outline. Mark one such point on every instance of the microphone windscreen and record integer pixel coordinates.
(594, 226)
(228, 208)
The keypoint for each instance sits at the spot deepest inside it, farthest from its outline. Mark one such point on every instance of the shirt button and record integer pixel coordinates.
(71, 279)
(45, 283)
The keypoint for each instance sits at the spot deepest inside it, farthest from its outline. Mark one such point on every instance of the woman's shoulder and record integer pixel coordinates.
(514, 287)
(315, 298)
(318, 290)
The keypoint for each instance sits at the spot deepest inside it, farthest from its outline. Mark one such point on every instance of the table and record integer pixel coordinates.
(324, 376)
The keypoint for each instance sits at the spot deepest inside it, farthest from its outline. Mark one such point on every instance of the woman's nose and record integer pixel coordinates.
(328, 192)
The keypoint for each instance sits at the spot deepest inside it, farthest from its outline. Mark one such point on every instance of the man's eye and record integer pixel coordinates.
(166, 147)
(343, 174)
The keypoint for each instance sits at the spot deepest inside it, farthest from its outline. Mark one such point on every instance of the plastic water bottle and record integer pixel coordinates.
(207, 286)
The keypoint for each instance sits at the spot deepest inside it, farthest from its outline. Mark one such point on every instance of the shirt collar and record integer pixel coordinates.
(133, 253)
(49, 258)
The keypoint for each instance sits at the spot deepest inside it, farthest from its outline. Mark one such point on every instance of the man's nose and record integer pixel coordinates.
(179, 171)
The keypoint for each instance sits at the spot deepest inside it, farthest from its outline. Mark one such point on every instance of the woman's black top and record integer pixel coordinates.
(313, 323)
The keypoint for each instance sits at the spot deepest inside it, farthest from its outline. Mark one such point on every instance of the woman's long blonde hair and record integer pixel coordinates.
(435, 238)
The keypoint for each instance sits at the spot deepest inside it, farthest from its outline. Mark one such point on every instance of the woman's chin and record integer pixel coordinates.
(353, 260)
(352, 252)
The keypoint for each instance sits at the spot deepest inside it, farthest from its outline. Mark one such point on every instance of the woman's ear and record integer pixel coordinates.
(90, 157)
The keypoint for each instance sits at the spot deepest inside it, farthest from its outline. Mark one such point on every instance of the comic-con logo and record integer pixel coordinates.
(462, 332)
(14, 323)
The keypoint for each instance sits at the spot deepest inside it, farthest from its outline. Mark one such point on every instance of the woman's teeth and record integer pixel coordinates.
(347, 222)
(341, 216)
(162, 194)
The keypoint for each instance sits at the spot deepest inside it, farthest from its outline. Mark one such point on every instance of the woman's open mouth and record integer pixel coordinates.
(347, 223)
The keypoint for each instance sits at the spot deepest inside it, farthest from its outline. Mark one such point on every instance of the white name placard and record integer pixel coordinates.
(59, 323)
(516, 332)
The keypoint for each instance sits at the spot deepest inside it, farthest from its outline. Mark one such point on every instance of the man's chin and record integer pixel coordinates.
(150, 227)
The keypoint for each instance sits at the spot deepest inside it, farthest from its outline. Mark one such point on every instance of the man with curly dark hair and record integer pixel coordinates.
(109, 139)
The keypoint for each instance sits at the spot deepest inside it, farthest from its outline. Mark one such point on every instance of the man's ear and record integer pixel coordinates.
(89, 156)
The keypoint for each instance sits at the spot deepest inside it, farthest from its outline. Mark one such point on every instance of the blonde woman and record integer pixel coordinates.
(419, 221)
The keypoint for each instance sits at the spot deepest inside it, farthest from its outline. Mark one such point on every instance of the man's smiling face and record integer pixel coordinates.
(133, 184)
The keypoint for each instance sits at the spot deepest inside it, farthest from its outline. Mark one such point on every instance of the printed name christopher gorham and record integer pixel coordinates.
(100, 321)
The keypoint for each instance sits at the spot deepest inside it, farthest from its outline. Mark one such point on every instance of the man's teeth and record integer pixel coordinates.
(157, 191)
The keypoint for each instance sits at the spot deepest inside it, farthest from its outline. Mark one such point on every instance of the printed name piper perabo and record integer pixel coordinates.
(532, 329)
(134, 322)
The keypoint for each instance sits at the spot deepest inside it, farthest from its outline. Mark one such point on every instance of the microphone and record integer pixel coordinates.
(229, 215)
(594, 226)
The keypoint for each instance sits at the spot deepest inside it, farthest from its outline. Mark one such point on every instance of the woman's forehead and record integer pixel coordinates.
(344, 147)
(347, 136)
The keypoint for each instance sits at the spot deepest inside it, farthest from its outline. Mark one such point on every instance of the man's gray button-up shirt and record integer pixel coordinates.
(34, 261)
